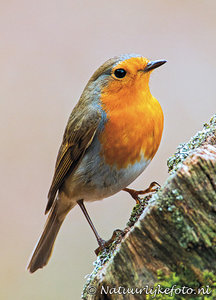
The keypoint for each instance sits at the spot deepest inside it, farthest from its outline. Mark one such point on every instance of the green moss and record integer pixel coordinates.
(102, 259)
(183, 283)
(185, 149)
(170, 201)
(137, 210)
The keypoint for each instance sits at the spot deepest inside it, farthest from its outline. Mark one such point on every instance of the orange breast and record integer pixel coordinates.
(134, 127)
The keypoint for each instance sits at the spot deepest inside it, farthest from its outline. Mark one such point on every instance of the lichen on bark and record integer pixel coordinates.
(185, 149)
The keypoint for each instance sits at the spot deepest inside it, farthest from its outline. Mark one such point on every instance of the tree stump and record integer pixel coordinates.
(170, 239)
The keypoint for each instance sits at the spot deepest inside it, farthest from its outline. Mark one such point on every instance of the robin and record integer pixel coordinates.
(111, 136)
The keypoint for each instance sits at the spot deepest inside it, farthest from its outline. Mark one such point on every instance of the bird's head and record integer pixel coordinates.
(129, 71)
(121, 80)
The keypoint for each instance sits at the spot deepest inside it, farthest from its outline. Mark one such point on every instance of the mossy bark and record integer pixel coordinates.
(174, 239)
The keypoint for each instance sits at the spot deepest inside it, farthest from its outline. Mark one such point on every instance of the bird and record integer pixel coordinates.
(111, 136)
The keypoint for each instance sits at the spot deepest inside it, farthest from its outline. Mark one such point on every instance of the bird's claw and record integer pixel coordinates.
(105, 244)
(153, 187)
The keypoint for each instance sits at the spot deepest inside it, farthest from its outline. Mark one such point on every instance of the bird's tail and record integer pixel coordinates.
(45, 244)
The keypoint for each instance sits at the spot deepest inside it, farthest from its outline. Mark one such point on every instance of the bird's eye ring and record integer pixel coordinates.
(120, 73)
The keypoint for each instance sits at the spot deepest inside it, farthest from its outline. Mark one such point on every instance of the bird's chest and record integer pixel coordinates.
(127, 137)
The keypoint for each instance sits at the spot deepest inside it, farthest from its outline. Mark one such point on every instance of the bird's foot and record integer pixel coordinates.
(117, 234)
(153, 187)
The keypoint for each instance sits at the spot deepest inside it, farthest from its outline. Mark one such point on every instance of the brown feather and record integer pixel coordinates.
(77, 138)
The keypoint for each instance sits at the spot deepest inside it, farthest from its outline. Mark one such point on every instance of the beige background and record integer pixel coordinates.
(48, 51)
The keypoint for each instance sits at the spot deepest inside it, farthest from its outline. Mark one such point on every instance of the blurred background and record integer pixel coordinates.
(48, 51)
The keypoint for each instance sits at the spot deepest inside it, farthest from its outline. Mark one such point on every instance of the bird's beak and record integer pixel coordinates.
(154, 64)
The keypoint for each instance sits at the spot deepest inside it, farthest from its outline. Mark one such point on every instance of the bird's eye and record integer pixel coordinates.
(120, 73)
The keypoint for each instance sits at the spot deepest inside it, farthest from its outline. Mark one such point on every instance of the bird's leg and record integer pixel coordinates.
(153, 187)
(100, 241)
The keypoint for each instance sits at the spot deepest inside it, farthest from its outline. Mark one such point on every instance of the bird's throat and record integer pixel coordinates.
(132, 130)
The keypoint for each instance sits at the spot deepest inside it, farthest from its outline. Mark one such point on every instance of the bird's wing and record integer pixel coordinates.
(77, 138)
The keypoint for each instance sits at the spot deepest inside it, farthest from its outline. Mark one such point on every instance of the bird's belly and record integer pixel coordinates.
(94, 179)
